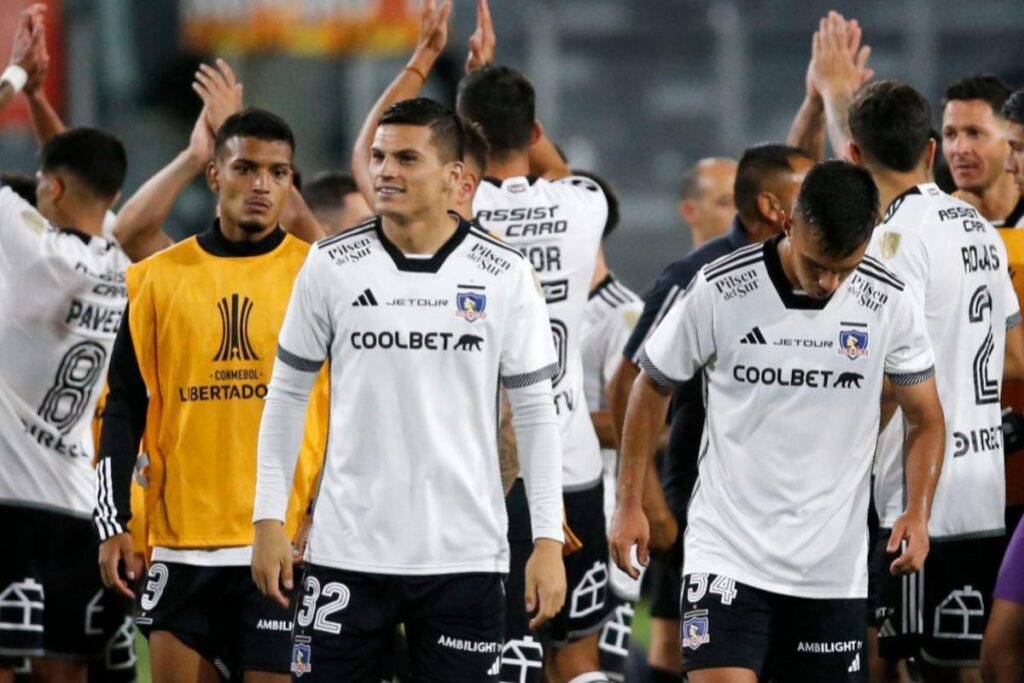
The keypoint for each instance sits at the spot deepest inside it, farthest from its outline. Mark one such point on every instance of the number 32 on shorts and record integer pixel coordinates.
(318, 616)
(697, 588)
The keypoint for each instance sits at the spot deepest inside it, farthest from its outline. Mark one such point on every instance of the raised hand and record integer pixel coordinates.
(483, 41)
(24, 50)
(838, 60)
(434, 26)
(220, 91)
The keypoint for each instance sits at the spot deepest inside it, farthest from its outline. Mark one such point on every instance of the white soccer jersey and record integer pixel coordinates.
(61, 302)
(611, 315)
(558, 226)
(417, 347)
(792, 390)
(954, 264)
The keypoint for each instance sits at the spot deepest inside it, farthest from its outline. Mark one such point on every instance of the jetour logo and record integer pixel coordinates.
(234, 319)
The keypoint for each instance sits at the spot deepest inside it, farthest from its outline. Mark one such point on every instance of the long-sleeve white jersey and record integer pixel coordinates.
(418, 348)
(62, 295)
(955, 267)
(558, 226)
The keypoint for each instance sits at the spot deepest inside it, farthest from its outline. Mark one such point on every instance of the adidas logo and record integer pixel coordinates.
(754, 337)
(495, 669)
(855, 667)
(887, 630)
(365, 299)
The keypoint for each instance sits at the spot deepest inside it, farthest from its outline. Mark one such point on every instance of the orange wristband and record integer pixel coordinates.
(423, 76)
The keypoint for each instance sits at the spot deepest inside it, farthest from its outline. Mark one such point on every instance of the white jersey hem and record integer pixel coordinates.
(240, 556)
(497, 566)
(789, 590)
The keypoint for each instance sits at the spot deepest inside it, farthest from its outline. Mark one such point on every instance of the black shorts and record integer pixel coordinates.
(52, 601)
(588, 599)
(666, 580)
(219, 613)
(345, 625)
(788, 639)
(613, 645)
(523, 653)
(938, 614)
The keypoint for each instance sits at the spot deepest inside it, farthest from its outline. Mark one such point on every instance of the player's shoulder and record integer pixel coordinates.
(926, 207)
(873, 269)
(746, 257)
(349, 247)
(360, 233)
(492, 254)
(612, 294)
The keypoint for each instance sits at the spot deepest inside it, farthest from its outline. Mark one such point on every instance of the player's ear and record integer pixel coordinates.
(770, 208)
(853, 153)
(213, 176)
(537, 134)
(929, 154)
(688, 211)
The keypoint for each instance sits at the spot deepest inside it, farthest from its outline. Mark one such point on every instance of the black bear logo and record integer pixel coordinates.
(469, 342)
(848, 379)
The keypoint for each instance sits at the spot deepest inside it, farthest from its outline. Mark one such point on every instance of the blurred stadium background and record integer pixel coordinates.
(633, 90)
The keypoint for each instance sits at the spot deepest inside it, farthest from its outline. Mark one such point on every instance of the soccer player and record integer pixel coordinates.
(189, 371)
(706, 204)
(974, 144)
(612, 312)
(423, 316)
(1002, 649)
(61, 297)
(767, 181)
(335, 201)
(954, 266)
(795, 338)
(557, 221)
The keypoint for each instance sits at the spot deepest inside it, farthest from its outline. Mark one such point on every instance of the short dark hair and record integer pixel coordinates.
(253, 122)
(22, 185)
(447, 132)
(891, 123)
(503, 102)
(840, 202)
(326, 190)
(476, 147)
(612, 221)
(95, 158)
(1013, 108)
(757, 165)
(986, 87)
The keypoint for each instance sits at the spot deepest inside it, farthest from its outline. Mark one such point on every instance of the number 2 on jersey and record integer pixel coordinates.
(986, 389)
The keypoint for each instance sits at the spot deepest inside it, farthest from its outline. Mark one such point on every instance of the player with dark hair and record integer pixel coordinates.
(335, 201)
(1013, 112)
(955, 270)
(225, 292)
(407, 312)
(772, 175)
(706, 202)
(974, 144)
(790, 335)
(61, 293)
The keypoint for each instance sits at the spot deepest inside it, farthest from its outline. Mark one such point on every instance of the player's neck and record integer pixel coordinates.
(995, 202)
(88, 221)
(421, 235)
(892, 184)
(601, 270)
(785, 251)
(233, 232)
(509, 165)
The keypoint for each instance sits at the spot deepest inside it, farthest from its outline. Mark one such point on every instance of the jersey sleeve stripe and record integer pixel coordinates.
(360, 229)
(666, 305)
(659, 377)
(738, 255)
(106, 514)
(1012, 321)
(910, 378)
(713, 273)
(868, 270)
(298, 362)
(875, 264)
(614, 295)
(527, 378)
(625, 293)
(486, 237)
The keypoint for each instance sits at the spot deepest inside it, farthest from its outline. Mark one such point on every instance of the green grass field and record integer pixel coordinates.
(641, 634)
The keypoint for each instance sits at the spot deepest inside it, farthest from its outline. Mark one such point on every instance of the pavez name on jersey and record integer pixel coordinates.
(558, 226)
(417, 348)
(792, 386)
(955, 266)
(61, 297)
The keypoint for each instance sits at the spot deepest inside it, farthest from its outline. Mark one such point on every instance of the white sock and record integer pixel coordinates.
(592, 677)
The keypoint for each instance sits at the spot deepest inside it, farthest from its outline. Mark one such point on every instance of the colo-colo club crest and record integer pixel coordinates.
(470, 303)
(853, 343)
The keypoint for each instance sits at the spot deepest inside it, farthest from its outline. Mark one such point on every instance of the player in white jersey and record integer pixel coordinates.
(612, 312)
(954, 265)
(61, 297)
(557, 223)
(795, 339)
(424, 316)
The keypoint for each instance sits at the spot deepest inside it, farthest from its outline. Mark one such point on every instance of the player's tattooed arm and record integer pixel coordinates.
(26, 49)
(433, 38)
(926, 443)
(648, 405)
(508, 456)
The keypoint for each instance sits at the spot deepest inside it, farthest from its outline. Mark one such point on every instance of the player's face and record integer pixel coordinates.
(410, 179)
(252, 179)
(817, 273)
(1015, 159)
(714, 208)
(974, 144)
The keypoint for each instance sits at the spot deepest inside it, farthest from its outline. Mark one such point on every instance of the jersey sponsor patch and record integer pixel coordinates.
(853, 343)
(470, 303)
